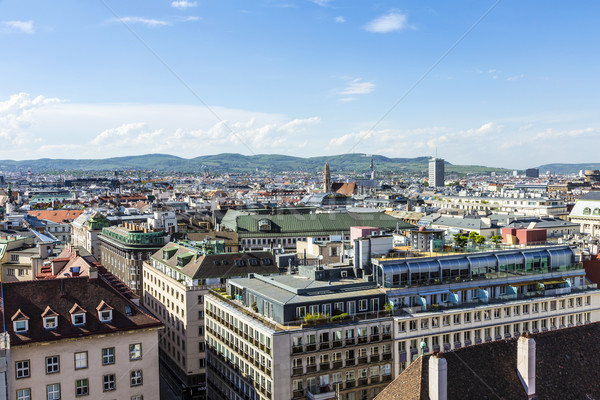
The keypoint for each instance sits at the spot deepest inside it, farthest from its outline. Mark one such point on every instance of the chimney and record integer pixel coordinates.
(526, 363)
(93, 273)
(438, 377)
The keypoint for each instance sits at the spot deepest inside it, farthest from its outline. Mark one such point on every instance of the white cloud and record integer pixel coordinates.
(346, 99)
(357, 87)
(340, 19)
(515, 78)
(183, 4)
(18, 114)
(152, 23)
(36, 127)
(393, 21)
(321, 3)
(21, 26)
(192, 18)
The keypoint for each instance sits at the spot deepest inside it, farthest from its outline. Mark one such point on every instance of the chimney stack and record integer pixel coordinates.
(93, 273)
(438, 377)
(526, 363)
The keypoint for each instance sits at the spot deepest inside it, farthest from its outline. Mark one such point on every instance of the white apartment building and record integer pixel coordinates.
(586, 213)
(176, 281)
(532, 206)
(449, 302)
(259, 346)
(77, 337)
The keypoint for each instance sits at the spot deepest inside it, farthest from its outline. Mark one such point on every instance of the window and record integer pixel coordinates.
(52, 365)
(136, 378)
(21, 325)
(21, 272)
(22, 368)
(135, 351)
(50, 322)
(81, 360)
(53, 391)
(362, 305)
(81, 387)
(106, 316)
(300, 312)
(108, 382)
(24, 394)
(108, 356)
(10, 272)
(78, 319)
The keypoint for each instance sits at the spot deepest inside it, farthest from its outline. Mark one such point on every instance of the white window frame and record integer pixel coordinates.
(108, 383)
(136, 378)
(22, 369)
(24, 394)
(80, 359)
(82, 387)
(53, 391)
(134, 349)
(74, 318)
(107, 354)
(52, 364)
(106, 316)
(21, 326)
(51, 322)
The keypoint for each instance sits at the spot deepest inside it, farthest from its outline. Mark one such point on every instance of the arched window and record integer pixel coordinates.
(586, 211)
(596, 211)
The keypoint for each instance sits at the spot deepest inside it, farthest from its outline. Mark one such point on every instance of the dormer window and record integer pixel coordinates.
(104, 312)
(77, 315)
(50, 322)
(50, 318)
(78, 319)
(20, 322)
(21, 326)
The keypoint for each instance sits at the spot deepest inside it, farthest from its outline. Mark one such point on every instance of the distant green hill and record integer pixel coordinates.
(238, 163)
(565, 169)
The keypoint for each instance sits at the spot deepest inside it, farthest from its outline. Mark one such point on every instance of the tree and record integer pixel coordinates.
(473, 236)
(460, 240)
(496, 239)
(480, 240)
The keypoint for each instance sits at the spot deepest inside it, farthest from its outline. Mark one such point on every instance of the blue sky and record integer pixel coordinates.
(110, 78)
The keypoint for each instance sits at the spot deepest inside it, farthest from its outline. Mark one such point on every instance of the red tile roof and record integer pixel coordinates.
(58, 216)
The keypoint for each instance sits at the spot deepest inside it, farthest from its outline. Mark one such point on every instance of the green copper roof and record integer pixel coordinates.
(290, 224)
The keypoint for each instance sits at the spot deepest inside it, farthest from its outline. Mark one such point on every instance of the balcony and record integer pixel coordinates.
(298, 394)
(337, 364)
(350, 361)
(375, 379)
(375, 338)
(386, 336)
(297, 349)
(324, 367)
(321, 392)
(362, 360)
(375, 358)
(297, 371)
(363, 381)
(350, 384)
(311, 347)
(362, 339)
(337, 343)
(387, 356)
(311, 368)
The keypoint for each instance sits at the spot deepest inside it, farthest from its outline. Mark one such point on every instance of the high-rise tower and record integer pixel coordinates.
(326, 178)
(436, 172)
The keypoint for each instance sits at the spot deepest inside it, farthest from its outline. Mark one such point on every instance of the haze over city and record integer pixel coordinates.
(497, 83)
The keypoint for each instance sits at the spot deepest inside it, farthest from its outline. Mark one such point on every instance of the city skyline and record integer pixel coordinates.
(513, 83)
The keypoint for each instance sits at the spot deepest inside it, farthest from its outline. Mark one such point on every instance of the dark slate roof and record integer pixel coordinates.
(567, 368)
(33, 297)
(595, 195)
(220, 265)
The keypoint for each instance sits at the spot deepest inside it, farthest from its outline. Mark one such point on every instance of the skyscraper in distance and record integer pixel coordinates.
(436, 172)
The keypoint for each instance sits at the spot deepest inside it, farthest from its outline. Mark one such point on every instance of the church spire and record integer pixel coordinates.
(326, 178)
